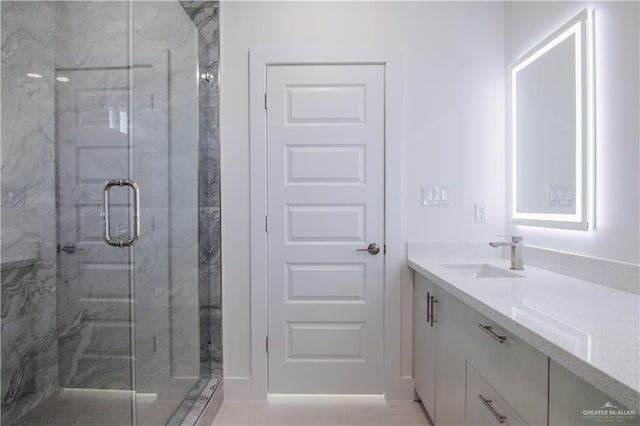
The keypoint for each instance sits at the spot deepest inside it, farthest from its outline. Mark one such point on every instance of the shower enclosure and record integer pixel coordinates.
(110, 278)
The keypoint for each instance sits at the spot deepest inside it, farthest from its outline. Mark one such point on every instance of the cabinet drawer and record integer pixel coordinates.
(513, 368)
(484, 406)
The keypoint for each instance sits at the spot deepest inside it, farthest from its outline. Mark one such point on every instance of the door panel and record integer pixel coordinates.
(95, 293)
(306, 164)
(424, 350)
(317, 223)
(317, 282)
(452, 342)
(325, 201)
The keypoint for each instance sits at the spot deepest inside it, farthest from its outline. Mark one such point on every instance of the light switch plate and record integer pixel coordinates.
(435, 195)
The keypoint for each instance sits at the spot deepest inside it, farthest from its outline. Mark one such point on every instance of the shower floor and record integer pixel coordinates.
(98, 407)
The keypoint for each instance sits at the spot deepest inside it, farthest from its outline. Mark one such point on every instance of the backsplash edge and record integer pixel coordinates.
(609, 273)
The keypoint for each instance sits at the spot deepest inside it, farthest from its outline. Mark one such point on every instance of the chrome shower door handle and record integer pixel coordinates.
(106, 225)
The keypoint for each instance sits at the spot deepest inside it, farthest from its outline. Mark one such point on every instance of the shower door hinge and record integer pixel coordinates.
(384, 250)
(265, 100)
(266, 344)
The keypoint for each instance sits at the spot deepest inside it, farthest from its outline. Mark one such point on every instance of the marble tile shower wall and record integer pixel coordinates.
(43, 337)
(28, 277)
(205, 16)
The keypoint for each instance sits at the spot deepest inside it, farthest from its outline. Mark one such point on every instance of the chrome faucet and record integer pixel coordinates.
(517, 261)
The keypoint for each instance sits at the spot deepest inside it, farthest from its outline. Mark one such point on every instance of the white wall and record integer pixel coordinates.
(453, 112)
(617, 44)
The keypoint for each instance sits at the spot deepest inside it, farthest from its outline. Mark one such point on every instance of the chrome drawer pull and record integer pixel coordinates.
(432, 310)
(488, 403)
(487, 329)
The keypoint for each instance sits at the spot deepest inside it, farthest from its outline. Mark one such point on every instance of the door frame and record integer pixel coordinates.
(396, 386)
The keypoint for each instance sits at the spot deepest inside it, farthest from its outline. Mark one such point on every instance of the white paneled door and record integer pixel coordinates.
(325, 139)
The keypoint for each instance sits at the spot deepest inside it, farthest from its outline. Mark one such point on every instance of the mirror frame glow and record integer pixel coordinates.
(583, 219)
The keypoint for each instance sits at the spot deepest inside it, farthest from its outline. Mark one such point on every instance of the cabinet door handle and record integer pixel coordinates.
(487, 329)
(428, 307)
(489, 404)
(433, 312)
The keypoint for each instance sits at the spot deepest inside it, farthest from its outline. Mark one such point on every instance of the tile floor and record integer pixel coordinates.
(321, 411)
(76, 407)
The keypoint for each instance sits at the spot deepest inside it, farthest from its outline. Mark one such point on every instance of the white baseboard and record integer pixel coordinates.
(400, 390)
(238, 389)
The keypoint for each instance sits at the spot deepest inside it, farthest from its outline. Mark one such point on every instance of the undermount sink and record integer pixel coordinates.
(481, 271)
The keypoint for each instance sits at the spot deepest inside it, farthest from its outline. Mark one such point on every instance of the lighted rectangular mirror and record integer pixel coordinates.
(552, 129)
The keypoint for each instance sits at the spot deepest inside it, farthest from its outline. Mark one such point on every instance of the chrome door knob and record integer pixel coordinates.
(372, 248)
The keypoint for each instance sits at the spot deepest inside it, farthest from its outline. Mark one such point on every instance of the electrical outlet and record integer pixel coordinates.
(481, 213)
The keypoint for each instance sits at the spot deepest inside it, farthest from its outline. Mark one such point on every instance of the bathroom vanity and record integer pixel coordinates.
(532, 347)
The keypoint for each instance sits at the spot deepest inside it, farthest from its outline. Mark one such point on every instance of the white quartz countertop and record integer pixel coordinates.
(591, 330)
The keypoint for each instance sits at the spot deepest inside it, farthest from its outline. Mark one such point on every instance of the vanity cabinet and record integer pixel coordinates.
(470, 371)
(456, 362)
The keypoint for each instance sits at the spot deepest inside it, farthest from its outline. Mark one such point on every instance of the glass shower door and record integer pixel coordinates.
(68, 341)
(95, 156)
(165, 136)
(100, 134)
(141, 130)
(141, 134)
